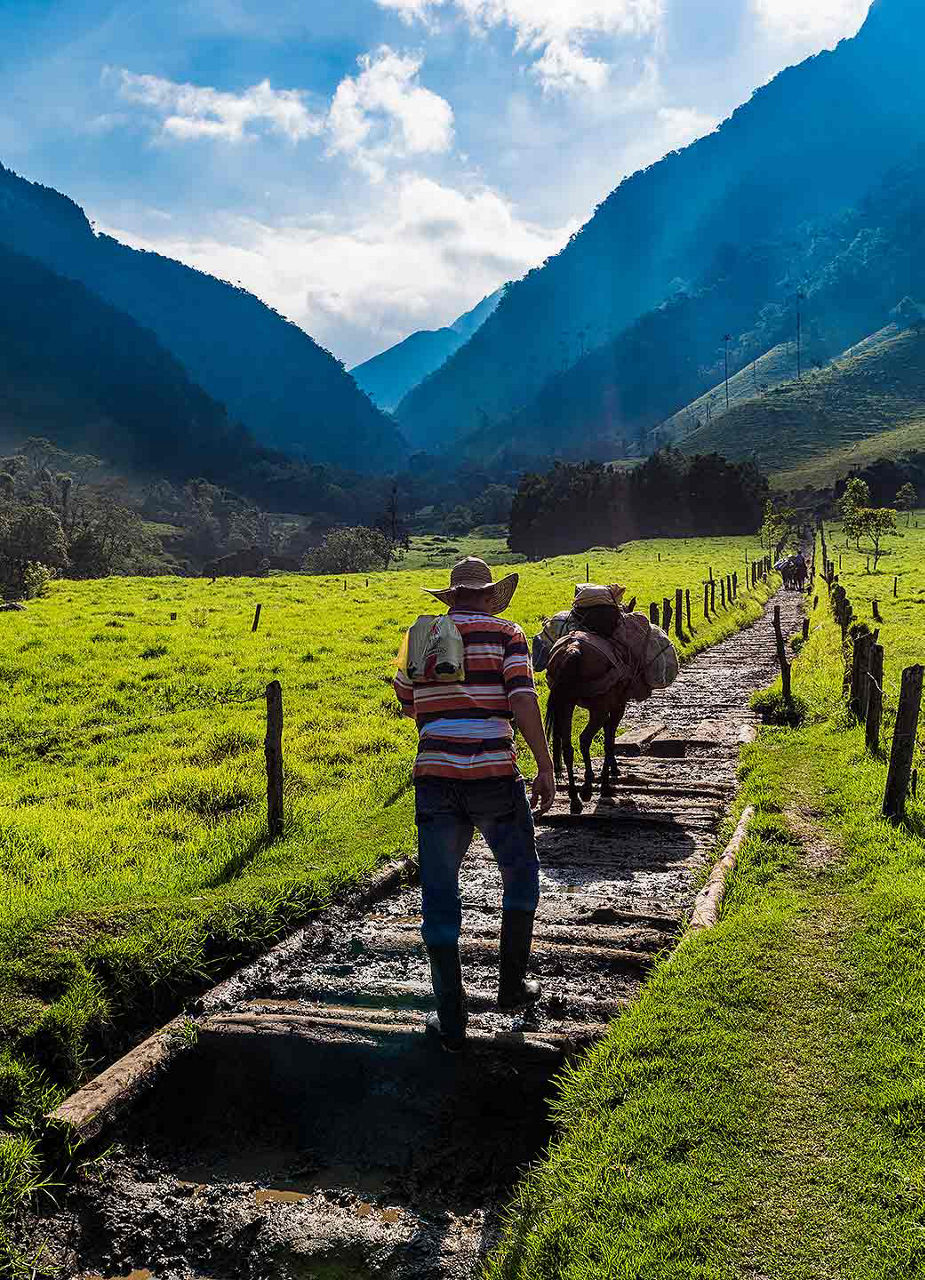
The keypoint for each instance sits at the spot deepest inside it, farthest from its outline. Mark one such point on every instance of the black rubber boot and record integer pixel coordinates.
(449, 1022)
(514, 989)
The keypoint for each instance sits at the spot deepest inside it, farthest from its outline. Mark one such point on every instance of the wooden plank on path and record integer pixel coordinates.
(635, 742)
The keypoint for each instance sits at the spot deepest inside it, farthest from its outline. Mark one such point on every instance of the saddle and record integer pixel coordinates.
(618, 670)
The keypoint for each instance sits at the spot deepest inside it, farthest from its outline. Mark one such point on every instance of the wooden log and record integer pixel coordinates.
(874, 699)
(782, 657)
(709, 899)
(256, 618)
(273, 751)
(903, 749)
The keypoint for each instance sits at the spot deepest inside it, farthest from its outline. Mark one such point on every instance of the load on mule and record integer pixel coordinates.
(604, 658)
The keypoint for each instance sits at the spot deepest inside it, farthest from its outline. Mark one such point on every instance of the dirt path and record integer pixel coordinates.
(314, 1131)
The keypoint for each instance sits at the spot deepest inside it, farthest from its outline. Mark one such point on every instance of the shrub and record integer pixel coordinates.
(36, 579)
(773, 709)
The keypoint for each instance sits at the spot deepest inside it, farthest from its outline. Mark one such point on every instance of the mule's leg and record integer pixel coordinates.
(608, 777)
(568, 753)
(595, 724)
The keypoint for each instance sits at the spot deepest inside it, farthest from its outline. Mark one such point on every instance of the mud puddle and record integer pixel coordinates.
(314, 1131)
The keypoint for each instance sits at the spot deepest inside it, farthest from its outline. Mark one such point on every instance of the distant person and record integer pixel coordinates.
(466, 778)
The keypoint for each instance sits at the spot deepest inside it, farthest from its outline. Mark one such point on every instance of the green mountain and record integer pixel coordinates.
(77, 370)
(867, 404)
(624, 327)
(290, 393)
(389, 376)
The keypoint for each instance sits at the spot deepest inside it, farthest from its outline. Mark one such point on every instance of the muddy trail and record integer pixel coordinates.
(310, 1128)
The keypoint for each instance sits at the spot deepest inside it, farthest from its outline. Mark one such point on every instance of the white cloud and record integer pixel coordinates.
(416, 258)
(683, 125)
(381, 113)
(554, 30)
(565, 68)
(196, 111)
(822, 21)
(384, 112)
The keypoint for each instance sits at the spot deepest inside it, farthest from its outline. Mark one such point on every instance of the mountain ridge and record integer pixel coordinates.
(387, 377)
(287, 390)
(809, 143)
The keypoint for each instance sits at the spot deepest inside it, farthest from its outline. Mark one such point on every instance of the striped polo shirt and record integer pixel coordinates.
(466, 729)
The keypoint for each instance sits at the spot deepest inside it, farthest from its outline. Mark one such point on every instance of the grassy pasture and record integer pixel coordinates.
(133, 861)
(760, 1111)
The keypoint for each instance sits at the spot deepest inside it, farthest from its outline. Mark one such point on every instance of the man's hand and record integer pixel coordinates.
(544, 791)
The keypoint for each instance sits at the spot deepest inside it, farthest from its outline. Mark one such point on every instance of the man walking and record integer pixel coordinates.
(466, 778)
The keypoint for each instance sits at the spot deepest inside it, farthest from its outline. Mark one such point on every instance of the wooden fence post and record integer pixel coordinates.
(735, 586)
(782, 657)
(859, 664)
(722, 593)
(895, 587)
(679, 613)
(805, 629)
(903, 750)
(256, 618)
(706, 601)
(666, 615)
(273, 750)
(687, 601)
(587, 573)
(653, 615)
(876, 605)
(712, 596)
(874, 698)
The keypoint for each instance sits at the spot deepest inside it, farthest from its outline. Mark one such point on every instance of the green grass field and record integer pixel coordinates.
(760, 1112)
(133, 856)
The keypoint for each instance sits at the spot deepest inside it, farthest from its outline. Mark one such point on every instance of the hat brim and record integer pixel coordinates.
(498, 595)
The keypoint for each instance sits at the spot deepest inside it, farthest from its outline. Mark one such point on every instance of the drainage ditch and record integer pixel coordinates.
(310, 1129)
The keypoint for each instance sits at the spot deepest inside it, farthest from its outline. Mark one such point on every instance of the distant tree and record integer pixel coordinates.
(29, 534)
(458, 521)
(778, 526)
(906, 500)
(493, 505)
(876, 524)
(350, 550)
(856, 499)
(390, 525)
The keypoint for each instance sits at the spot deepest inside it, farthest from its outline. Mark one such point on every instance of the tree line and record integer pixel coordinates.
(576, 506)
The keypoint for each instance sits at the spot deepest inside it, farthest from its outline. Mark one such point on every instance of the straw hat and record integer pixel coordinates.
(589, 594)
(473, 574)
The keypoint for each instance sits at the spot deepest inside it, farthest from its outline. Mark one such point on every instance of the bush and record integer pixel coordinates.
(349, 551)
(36, 579)
(772, 708)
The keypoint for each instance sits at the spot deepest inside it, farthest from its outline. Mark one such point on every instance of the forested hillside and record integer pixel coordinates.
(713, 239)
(389, 376)
(844, 414)
(271, 376)
(75, 368)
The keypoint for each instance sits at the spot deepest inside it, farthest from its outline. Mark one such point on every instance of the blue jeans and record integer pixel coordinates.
(447, 814)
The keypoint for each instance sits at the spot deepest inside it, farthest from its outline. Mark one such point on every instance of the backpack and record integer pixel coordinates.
(553, 630)
(433, 651)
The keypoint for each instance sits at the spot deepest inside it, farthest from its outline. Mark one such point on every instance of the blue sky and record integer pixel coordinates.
(371, 167)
